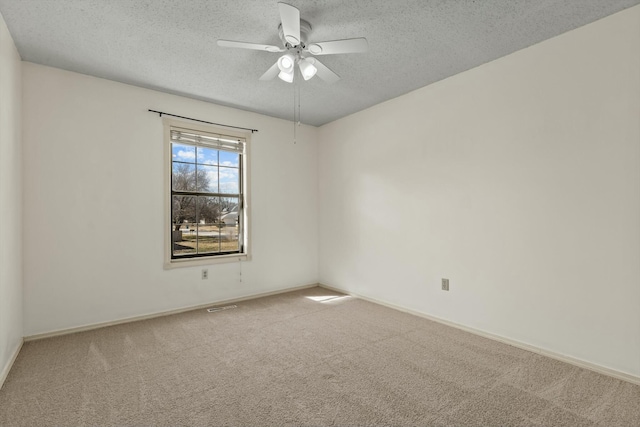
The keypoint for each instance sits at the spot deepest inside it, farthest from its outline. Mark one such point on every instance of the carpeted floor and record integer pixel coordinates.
(311, 357)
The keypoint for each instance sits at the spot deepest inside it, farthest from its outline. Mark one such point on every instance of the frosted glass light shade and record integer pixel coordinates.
(307, 68)
(286, 63)
(287, 77)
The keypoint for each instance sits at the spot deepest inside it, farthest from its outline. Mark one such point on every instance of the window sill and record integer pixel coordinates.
(195, 262)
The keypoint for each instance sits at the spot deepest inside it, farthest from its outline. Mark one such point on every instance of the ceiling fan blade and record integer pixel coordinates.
(290, 18)
(339, 46)
(325, 73)
(245, 45)
(271, 73)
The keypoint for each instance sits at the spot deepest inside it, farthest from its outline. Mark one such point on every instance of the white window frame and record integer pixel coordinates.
(170, 263)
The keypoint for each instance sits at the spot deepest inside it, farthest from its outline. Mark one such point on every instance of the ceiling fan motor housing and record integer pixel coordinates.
(305, 29)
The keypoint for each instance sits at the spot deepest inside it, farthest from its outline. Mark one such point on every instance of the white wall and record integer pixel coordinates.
(518, 180)
(94, 213)
(10, 200)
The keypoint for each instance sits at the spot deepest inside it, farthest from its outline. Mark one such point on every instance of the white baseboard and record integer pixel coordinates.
(558, 356)
(162, 313)
(7, 367)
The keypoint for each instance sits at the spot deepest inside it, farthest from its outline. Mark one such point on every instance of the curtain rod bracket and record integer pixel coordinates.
(160, 113)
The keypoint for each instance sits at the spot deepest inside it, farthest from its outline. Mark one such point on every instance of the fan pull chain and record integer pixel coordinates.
(299, 90)
(295, 89)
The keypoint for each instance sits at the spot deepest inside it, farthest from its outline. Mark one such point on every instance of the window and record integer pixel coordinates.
(207, 194)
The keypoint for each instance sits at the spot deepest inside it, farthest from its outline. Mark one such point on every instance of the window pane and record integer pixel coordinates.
(208, 224)
(229, 180)
(229, 211)
(183, 225)
(209, 210)
(208, 178)
(229, 219)
(207, 156)
(183, 177)
(228, 204)
(183, 153)
(229, 241)
(228, 158)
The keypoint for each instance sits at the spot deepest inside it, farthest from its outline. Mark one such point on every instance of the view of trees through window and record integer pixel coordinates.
(205, 193)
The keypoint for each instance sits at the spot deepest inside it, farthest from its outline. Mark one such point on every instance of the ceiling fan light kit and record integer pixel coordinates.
(293, 33)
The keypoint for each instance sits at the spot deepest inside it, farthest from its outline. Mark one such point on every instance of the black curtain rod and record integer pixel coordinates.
(201, 121)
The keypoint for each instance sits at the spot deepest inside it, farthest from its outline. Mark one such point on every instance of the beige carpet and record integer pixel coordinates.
(311, 357)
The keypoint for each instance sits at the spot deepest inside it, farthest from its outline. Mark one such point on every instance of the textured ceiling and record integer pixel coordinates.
(170, 45)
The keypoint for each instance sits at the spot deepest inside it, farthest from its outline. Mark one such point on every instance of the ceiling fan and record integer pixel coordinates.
(293, 32)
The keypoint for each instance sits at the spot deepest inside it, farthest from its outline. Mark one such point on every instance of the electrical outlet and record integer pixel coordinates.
(445, 284)
(205, 274)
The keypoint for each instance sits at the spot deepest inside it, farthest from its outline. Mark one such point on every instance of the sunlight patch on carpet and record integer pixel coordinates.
(329, 298)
